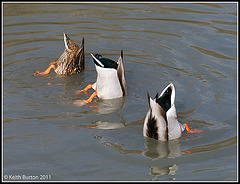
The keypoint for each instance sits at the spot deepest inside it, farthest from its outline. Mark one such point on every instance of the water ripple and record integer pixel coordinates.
(212, 53)
(192, 45)
(214, 146)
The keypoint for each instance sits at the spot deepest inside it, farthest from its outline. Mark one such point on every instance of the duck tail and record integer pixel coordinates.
(81, 56)
(96, 61)
(148, 97)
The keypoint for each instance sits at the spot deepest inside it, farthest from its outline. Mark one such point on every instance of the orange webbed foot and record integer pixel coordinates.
(192, 130)
(45, 72)
(38, 73)
(84, 102)
(53, 63)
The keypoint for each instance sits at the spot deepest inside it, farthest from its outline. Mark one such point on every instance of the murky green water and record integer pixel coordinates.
(194, 46)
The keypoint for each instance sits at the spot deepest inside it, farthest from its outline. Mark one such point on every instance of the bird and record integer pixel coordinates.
(161, 120)
(70, 62)
(110, 83)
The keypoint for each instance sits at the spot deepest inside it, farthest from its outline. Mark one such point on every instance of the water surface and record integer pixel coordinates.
(193, 46)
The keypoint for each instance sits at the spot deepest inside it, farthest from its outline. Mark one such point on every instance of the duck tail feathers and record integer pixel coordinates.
(120, 72)
(96, 61)
(81, 55)
(156, 97)
(148, 97)
(66, 40)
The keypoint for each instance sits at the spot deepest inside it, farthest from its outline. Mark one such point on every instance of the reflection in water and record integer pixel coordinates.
(116, 146)
(111, 105)
(159, 171)
(217, 145)
(191, 45)
(106, 125)
(162, 149)
(171, 149)
(104, 106)
(155, 150)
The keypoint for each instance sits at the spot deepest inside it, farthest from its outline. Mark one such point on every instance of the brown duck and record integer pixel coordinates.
(70, 62)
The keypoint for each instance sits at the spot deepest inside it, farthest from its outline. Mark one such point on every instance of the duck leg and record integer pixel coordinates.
(45, 72)
(83, 102)
(83, 90)
(192, 130)
(91, 97)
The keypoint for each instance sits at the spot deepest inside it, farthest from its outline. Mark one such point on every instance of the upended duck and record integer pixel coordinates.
(70, 62)
(161, 120)
(110, 81)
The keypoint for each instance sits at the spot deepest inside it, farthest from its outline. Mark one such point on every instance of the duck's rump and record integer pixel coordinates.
(70, 63)
(107, 84)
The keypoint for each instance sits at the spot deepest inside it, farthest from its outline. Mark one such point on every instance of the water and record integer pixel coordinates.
(47, 137)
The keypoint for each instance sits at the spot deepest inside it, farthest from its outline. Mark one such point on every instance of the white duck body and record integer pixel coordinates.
(110, 82)
(107, 84)
(160, 124)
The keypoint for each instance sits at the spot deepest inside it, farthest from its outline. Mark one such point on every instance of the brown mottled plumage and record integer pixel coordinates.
(70, 62)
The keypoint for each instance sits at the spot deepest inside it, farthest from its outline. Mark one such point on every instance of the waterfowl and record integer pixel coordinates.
(161, 120)
(70, 62)
(110, 83)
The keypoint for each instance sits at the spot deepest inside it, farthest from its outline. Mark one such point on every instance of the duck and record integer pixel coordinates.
(70, 62)
(110, 82)
(161, 120)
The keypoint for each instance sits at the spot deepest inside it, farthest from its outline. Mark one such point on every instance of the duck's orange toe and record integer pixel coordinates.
(195, 131)
(186, 126)
(192, 130)
(187, 152)
(36, 73)
(46, 71)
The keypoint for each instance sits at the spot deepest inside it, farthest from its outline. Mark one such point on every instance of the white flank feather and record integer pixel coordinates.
(120, 71)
